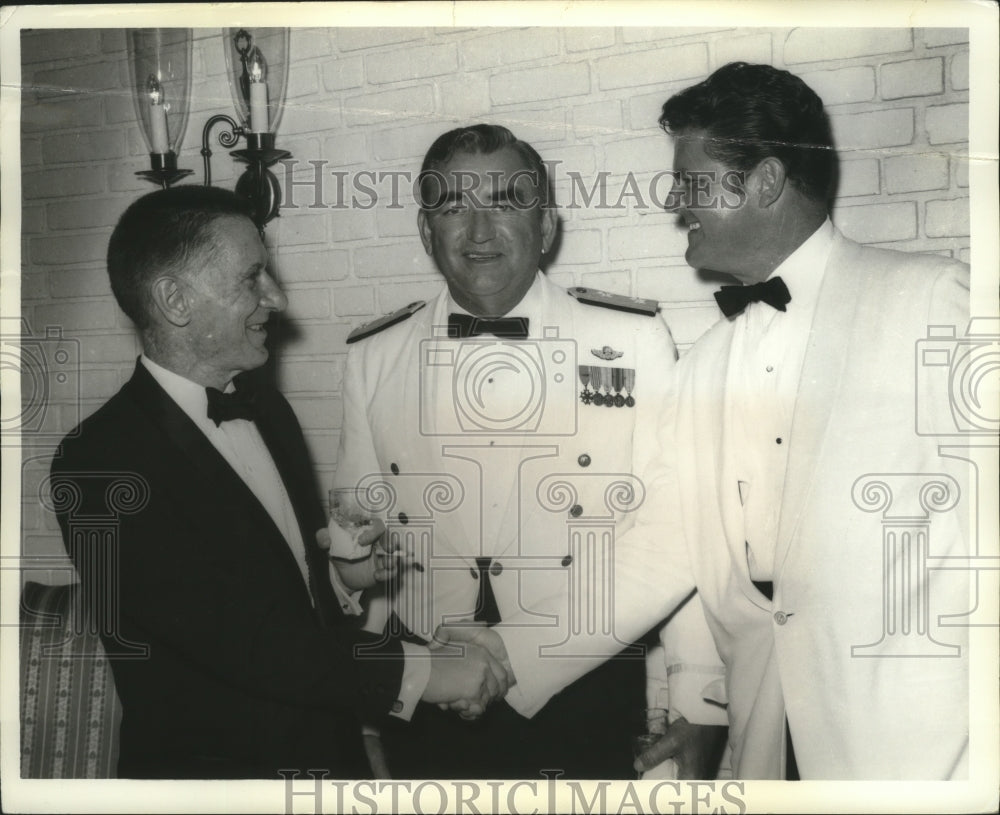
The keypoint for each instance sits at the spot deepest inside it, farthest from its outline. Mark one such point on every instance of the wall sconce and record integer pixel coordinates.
(161, 92)
(257, 64)
(257, 67)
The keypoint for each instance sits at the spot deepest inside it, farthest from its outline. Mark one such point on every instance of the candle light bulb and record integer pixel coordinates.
(256, 66)
(157, 116)
(257, 69)
(155, 90)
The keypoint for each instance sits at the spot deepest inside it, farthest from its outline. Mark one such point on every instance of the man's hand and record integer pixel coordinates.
(483, 637)
(697, 749)
(465, 678)
(380, 564)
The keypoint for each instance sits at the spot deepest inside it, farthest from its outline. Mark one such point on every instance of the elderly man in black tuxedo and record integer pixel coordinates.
(250, 668)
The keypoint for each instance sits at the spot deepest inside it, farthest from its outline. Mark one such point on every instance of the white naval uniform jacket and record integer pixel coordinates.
(554, 494)
(856, 647)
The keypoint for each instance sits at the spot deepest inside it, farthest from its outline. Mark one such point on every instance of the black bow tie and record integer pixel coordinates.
(461, 326)
(733, 299)
(225, 406)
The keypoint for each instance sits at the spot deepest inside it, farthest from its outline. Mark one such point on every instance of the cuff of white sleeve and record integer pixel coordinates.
(350, 601)
(698, 694)
(416, 675)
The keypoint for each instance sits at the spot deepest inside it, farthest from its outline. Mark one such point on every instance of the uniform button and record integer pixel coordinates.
(777, 441)
(496, 568)
(769, 368)
(576, 510)
(780, 617)
(567, 560)
(583, 460)
(403, 519)
(397, 706)
(394, 467)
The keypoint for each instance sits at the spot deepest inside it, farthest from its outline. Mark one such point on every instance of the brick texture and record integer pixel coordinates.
(371, 100)
(912, 77)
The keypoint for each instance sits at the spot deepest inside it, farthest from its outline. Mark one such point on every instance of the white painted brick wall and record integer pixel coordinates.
(858, 177)
(909, 173)
(947, 123)
(752, 48)
(873, 129)
(912, 77)
(947, 218)
(834, 44)
(374, 99)
(842, 85)
(551, 82)
(411, 63)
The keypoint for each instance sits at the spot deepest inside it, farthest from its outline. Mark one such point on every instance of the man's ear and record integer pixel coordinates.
(171, 300)
(770, 178)
(550, 223)
(426, 232)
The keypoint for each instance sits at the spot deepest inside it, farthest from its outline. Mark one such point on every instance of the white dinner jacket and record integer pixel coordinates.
(859, 705)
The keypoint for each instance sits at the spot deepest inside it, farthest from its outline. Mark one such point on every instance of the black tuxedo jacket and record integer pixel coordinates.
(243, 676)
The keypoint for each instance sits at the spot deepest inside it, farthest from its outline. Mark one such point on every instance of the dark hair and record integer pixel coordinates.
(480, 138)
(751, 112)
(159, 232)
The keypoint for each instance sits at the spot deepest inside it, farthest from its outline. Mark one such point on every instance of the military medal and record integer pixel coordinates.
(597, 374)
(607, 375)
(629, 386)
(585, 395)
(617, 380)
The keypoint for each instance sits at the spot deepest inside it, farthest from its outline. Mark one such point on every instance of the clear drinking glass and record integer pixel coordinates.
(352, 528)
(652, 724)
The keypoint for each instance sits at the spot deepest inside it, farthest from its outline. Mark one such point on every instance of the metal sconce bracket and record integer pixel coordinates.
(164, 169)
(257, 184)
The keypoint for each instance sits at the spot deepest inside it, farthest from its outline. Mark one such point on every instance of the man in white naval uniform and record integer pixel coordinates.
(498, 429)
(814, 510)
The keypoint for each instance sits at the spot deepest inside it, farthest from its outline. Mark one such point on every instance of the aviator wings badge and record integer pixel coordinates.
(606, 353)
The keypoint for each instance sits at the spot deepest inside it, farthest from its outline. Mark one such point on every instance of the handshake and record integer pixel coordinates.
(469, 664)
(469, 670)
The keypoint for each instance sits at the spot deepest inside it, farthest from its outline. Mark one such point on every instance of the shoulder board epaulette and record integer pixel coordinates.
(618, 302)
(380, 324)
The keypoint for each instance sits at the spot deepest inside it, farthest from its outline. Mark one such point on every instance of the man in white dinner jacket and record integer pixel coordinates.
(499, 430)
(807, 506)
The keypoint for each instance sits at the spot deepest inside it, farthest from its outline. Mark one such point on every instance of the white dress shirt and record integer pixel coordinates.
(762, 383)
(504, 393)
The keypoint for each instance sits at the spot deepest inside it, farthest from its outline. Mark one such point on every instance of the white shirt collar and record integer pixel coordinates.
(189, 396)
